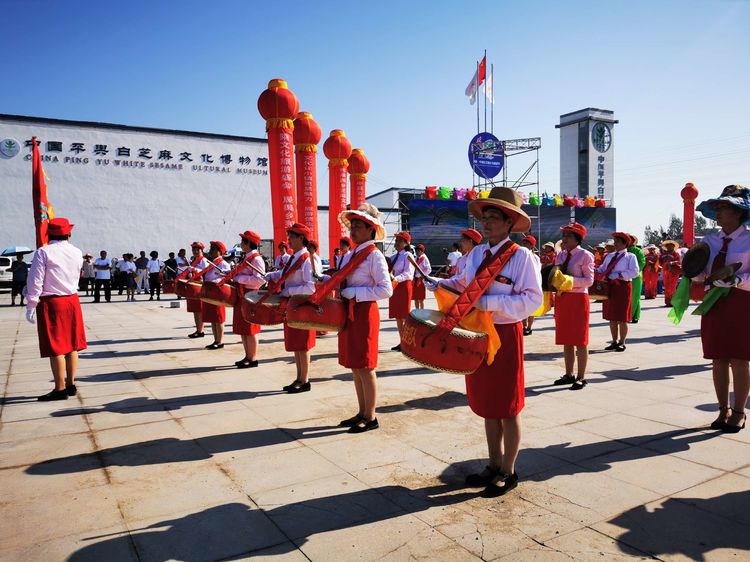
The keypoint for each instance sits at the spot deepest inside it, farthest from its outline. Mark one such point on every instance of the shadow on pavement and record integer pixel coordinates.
(137, 375)
(444, 401)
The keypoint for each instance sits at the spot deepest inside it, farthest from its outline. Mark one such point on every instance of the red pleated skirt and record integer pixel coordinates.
(497, 391)
(194, 305)
(617, 306)
(214, 314)
(725, 330)
(572, 319)
(418, 291)
(239, 325)
(60, 325)
(298, 340)
(650, 282)
(399, 305)
(358, 341)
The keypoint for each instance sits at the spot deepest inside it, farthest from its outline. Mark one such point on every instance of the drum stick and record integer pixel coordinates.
(216, 267)
(422, 273)
(255, 269)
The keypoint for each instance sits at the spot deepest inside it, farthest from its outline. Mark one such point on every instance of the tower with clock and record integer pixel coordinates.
(587, 153)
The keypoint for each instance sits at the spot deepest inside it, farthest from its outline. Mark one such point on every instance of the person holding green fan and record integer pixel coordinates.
(725, 331)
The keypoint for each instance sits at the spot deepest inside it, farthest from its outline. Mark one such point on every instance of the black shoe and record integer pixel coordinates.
(246, 364)
(620, 347)
(196, 335)
(634, 321)
(396, 348)
(612, 346)
(351, 421)
(363, 425)
(724, 414)
(71, 390)
(151, 298)
(215, 345)
(296, 387)
(579, 384)
(54, 395)
(494, 491)
(729, 428)
(565, 379)
(484, 478)
(158, 298)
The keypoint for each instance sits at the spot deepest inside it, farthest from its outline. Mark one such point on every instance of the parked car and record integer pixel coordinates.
(6, 276)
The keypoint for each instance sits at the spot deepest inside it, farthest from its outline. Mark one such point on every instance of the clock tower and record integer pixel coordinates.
(587, 153)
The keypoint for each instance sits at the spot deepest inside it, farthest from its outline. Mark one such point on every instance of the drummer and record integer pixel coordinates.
(368, 283)
(598, 255)
(651, 272)
(549, 255)
(312, 247)
(670, 266)
(198, 263)
(248, 279)
(214, 314)
(402, 273)
(619, 267)
(418, 291)
(725, 330)
(52, 300)
(496, 392)
(345, 248)
(283, 256)
(529, 242)
(299, 282)
(469, 240)
(572, 304)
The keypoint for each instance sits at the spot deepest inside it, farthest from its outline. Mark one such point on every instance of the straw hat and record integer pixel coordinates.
(736, 195)
(368, 213)
(665, 242)
(507, 200)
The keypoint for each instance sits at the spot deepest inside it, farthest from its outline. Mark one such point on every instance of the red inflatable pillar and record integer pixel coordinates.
(337, 149)
(307, 135)
(689, 194)
(359, 165)
(278, 106)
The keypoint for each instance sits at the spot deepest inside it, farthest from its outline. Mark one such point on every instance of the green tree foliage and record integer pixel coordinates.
(655, 235)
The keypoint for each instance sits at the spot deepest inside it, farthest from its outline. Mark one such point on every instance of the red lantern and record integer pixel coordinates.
(307, 135)
(337, 149)
(359, 165)
(689, 194)
(278, 106)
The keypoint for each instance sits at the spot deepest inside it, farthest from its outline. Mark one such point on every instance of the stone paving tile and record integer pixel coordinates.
(112, 543)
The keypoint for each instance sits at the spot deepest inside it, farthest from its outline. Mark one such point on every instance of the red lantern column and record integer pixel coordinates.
(359, 165)
(689, 194)
(278, 106)
(307, 135)
(337, 149)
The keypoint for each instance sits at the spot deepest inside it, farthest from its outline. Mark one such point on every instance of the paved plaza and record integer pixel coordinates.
(170, 453)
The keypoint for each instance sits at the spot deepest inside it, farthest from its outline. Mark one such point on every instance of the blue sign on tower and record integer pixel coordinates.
(486, 155)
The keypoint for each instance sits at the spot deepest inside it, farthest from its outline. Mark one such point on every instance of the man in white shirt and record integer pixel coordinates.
(103, 267)
(452, 259)
(154, 267)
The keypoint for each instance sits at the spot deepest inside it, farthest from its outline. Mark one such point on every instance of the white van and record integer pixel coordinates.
(6, 276)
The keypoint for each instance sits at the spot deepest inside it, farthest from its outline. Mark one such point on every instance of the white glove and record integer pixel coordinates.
(349, 293)
(726, 284)
(268, 276)
(31, 315)
(431, 285)
(482, 303)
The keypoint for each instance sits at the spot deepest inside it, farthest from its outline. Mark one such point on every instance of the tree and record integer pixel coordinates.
(655, 235)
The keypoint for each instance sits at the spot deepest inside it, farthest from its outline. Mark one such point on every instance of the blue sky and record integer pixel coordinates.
(393, 74)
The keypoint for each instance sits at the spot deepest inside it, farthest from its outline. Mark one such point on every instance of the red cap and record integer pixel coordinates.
(472, 234)
(405, 236)
(575, 228)
(197, 244)
(346, 240)
(251, 236)
(300, 229)
(420, 247)
(220, 245)
(59, 227)
(623, 236)
(530, 239)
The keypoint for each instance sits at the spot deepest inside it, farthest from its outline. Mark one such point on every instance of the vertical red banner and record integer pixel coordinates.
(359, 165)
(307, 135)
(42, 209)
(689, 194)
(278, 106)
(337, 149)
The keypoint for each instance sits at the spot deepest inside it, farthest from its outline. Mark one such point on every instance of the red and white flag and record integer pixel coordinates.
(43, 211)
(476, 81)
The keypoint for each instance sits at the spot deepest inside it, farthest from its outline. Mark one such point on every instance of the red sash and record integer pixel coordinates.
(338, 278)
(612, 264)
(185, 273)
(488, 270)
(275, 287)
(237, 269)
(203, 271)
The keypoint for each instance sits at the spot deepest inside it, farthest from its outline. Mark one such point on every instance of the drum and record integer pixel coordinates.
(270, 313)
(461, 352)
(188, 289)
(330, 316)
(219, 295)
(599, 291)
(167, 287)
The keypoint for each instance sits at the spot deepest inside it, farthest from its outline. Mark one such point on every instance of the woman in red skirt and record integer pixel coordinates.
(619, 267)
(52, 302)
(214, 314)
(651, 272)
(368, 282)
(496, 392)
(725, 331)
(299, 282)
(248, 279)
(572, 304)
(402, 274)
(671, 269)
(198, 263)
(419, 293)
